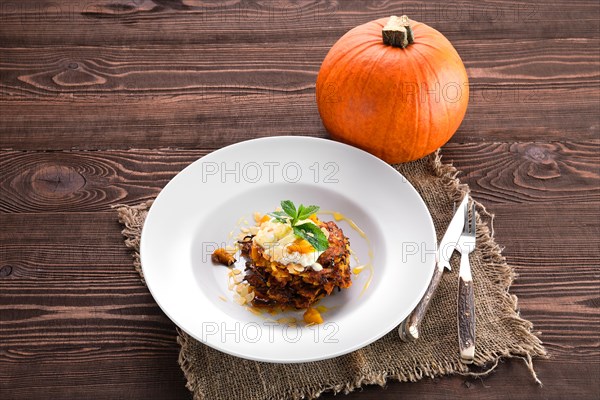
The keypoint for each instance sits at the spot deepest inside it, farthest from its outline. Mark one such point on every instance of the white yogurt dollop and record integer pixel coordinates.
(275, 238)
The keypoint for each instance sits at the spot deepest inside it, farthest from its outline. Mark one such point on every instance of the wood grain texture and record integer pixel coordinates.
(86, 181)
(466, 321)
(149, 86)
(77, 181)
(193, 96)
(499, 115)
(540, 172)
(96, 312)
(72, 297)
(92, 72)
(56, 23)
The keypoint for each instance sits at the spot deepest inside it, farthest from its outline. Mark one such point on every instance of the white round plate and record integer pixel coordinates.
(199, 208)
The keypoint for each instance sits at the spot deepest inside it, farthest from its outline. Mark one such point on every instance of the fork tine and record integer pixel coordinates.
(466, 226)
(473, 222)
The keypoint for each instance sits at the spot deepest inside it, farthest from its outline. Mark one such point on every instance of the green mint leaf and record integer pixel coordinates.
(279, 216)
(289, 208)
(305, 212)
(300, 208)
(313, 235)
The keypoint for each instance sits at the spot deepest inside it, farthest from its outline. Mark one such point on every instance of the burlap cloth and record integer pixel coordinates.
(501, 332)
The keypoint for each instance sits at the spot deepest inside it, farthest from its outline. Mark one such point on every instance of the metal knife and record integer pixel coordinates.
(466, 296)
(409, 328)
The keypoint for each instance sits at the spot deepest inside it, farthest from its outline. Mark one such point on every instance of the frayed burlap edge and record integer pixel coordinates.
(132, 218)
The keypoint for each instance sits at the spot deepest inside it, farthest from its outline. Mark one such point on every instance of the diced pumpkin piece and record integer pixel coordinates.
(301, 246)
(222, 256)
(254, 254)
(312, 316)
(259, 219)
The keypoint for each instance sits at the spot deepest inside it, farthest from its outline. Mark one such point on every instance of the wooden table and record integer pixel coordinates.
(103, 102)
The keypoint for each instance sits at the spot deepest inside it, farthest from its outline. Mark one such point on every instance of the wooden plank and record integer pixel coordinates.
(79, 181)
(122, 23)
(194, 97)
(86, 181)
(92, 72)
(189, 122)
(539, 172)
(165, 384)
(95, 322)
(121, 373)
(198, 122)
(511, 380)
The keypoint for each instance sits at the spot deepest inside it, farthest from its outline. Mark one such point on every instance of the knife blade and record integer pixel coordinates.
(409, 328)
(450, 239)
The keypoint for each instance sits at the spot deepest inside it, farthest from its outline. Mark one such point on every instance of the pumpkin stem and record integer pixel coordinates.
(397, 32)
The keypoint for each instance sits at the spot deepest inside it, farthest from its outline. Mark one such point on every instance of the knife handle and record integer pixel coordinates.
(466, 315)
(409, 328)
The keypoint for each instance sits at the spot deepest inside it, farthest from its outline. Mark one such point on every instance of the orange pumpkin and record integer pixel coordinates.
(393, 87)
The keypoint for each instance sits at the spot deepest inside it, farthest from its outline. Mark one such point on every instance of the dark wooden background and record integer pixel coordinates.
(102, 102)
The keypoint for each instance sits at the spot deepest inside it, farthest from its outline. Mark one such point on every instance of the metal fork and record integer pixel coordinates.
(466, 303)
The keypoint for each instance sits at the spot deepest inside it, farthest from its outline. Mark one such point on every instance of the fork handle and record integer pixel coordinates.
(409, 328)
(466, 311)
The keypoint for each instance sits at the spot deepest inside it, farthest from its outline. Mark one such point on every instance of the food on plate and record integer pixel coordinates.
(293, 259)
(394, 87)
(313, 316)
(222, 256)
